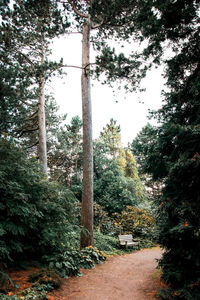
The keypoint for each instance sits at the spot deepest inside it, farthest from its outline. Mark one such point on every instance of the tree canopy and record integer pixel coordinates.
(174, 151)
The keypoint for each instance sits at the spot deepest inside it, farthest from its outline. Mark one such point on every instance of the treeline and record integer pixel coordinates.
(28, 196)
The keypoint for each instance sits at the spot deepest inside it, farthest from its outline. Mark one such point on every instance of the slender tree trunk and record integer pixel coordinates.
(42, 148)
(87, 194)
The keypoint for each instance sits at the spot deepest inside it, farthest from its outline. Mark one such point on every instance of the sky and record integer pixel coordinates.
(129, 110)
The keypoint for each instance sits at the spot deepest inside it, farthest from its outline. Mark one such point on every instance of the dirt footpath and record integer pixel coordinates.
(130, 276)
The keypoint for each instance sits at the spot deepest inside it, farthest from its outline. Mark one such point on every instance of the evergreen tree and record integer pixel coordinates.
(90, 15)
(65, 154)
(143, 148)
(26, 32)
(112, 138)
(175, 156)
(116, 180)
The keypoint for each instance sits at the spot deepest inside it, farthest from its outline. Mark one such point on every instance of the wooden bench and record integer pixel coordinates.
(127, 240)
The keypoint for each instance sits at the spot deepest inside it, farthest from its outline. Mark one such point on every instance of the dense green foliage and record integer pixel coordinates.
(69, 262)
(65, 152)
(102, 222)
(174, 155)
(106, 243)
(116, 180)
(113, 191)
(34, 211)
(135, 221)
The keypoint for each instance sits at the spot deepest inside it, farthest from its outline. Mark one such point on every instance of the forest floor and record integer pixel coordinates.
(131, 276)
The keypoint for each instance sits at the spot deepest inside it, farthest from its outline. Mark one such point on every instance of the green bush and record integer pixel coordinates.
(90, 256)
(135, 221)
(102, 222)
(66, 263)
(70, 261)
(37, 292)
(33, 211)
(105, 242)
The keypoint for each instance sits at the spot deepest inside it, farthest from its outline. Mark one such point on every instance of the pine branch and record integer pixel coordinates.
(23, 101)
(32, 116)
(97, 25)
(27, 59)
(74, 7)
(26, 131)
(36, 143)
(71, 66)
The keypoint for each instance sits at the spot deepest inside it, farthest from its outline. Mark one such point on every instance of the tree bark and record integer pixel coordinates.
(42, 148)
(87, 193)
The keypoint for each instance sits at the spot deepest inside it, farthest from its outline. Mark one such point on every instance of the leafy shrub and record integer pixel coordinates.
(44, 281)
(37, 292)
(105, 242)
(33, 211)
(135, 221)
(91, 255)
(69, 262)
(66, 263)
(146, 243)
(102, 222)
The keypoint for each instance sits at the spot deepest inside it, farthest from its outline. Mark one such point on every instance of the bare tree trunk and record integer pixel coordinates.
(87, 194)
(42, 148)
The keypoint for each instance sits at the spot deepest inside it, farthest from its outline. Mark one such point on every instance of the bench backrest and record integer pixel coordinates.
(125, 238)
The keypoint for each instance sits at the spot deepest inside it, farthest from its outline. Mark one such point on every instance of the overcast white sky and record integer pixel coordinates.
(130, 114)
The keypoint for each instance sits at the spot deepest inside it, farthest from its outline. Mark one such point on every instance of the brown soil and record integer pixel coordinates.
(20, 279)
(130, 276)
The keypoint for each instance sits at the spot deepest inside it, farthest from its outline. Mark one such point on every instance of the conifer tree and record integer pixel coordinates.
(111, 135)
(65, 153)
(102, 16)
(174, 158)
(26, 31)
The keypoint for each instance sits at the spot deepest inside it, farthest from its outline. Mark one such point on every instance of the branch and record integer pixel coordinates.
(33, 145)
(26, 58)
(73, 4)
(75, 32)
(23, 101)
(32, 116)
(26, 131)
(90, 64)
(68, 66)
(97, 25)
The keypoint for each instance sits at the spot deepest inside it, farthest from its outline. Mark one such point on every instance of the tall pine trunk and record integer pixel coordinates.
(87, 193)
(42, 148)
